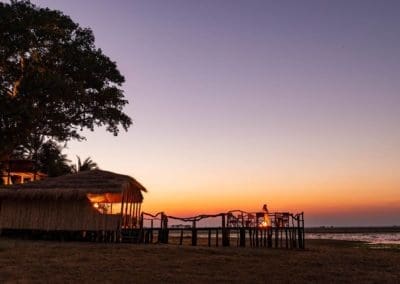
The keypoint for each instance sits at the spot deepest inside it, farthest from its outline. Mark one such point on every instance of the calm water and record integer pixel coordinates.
(373, 238)
(369, 237)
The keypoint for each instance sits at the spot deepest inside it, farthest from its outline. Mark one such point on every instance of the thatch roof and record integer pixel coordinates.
(75, 186)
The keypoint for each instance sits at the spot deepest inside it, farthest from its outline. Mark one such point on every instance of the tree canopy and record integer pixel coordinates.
(51, 161)
(47, 154)
(54, 82)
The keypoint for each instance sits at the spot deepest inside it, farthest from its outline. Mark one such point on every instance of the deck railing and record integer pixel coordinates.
(237, 228)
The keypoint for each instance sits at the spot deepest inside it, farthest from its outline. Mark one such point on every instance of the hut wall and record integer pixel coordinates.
(49, 215)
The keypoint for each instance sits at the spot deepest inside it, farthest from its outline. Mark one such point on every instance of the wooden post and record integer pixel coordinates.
(126, 210)
(217, 238)
(242, 237)
(299, 230)
(286, 237)
(141, 221)
(151, 231)
(257, 230)
(9, 173)
(160, 236)
(194, 234)
(251, 237)
(302, 228)
(130, 213)
(137, 217)
(106, 222)
(146, 238)
(225, 237)
(181, 238)
(209, 237)
(142, 232)
(139, 208)
(134, 215)
(264, 238)
(165, 228)
(295, 245)
(238, 235)
(269, 238)
(121, 223)
(294, 241)
(161, 231)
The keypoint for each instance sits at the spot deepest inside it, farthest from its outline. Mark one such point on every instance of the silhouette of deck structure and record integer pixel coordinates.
(238, 228)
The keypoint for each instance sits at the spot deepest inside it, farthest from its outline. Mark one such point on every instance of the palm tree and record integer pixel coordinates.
(87, 165)
(47, 155)
(51, 161)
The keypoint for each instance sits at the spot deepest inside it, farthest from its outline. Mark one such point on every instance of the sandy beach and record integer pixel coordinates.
(322, 262)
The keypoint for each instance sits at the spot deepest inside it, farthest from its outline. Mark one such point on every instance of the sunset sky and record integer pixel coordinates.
(239, 103)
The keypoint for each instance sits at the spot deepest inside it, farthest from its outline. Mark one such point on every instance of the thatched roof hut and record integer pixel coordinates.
(19, 171)
(91, 200)
(76, 186)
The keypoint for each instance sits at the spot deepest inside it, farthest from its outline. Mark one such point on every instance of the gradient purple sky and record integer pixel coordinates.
(240, 103)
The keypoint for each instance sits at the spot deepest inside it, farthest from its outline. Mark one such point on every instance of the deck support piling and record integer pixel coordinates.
(242, 237)
(181, 238)
(194, 234)
(225, 233)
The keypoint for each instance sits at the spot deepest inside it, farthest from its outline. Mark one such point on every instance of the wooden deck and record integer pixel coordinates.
(285, 230)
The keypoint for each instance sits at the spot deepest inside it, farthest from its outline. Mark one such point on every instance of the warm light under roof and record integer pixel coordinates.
(105, 197)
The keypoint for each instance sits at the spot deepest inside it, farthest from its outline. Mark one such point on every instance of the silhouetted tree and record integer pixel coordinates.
(54, 82)
(87, 165)
(29, 150)
(47, 155)
(51, 161)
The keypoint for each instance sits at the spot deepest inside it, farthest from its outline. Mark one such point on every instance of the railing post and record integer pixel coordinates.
(181, 237)
(194, 233)
(165, 231)
(302, 227)
(225, 237)
(151, 231)
(141, 221)
(299, 233)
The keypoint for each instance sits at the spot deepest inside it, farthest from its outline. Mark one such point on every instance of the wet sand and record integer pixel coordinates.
(323, 261)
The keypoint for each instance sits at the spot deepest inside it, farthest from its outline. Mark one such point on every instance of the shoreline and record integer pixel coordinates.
(352, 230)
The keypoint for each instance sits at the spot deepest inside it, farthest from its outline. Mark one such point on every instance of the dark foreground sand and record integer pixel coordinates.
(322, 262)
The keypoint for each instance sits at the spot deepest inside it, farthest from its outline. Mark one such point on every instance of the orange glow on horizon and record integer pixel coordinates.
(319, 199)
